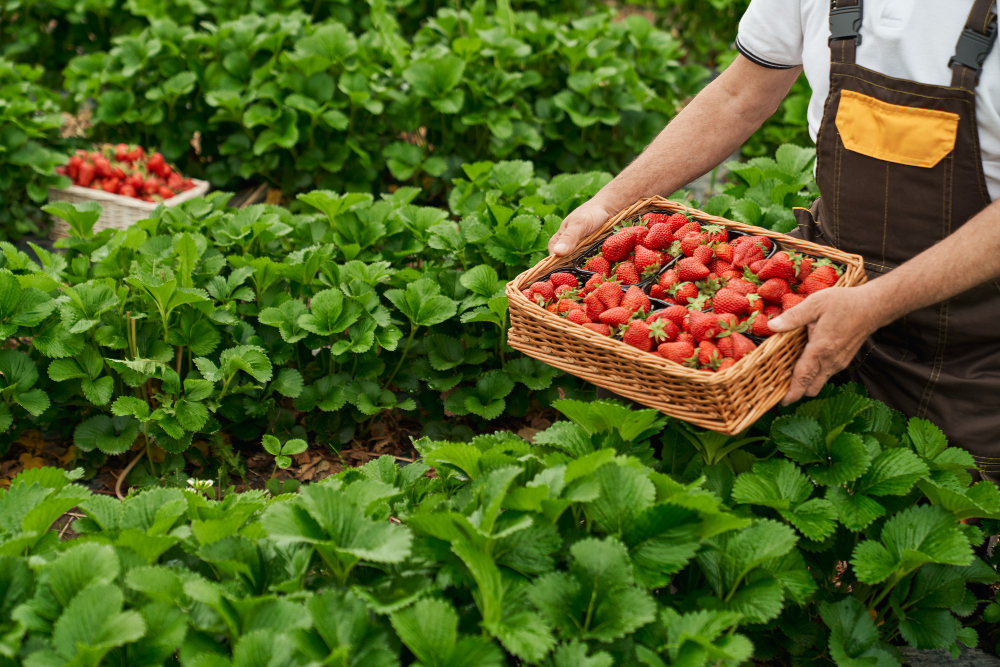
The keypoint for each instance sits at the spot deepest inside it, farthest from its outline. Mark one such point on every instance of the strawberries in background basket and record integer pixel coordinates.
(125, 170)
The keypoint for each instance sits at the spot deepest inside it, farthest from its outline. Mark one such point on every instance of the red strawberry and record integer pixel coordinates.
(730, 301)
(736, 345)
(560, 279)
(655, 218)
(602, 329)
(683, 292)
(759, 325)
(773, 311)
(636, 300)
(657, 292)
(720, 267)
(662, 329)
(565, 305)
(598, 265)
(640, 234)
(592, 284)
(746, 254)
(541, 289)
(762, 241)
(578, 317)
(690, 269)
(627, 274)
(674, 314)
(724, 251)
(552, 307)
(825, 273)
(686, 337)
(756, 303)
(685, 229)
(704, 326)
(708, 353)
(805, 268)
(659, 237)
(689, 243)
(812, 284)
(668, 279)
(780, 265)
(730, 275)
(772, 290)
(716, 233)
(619, 246)
(593, 307)
(727, 321)
(565, 291)
(638, 335)
(789, 301)
(677, 221)
(724, 364)
(615, 317)
(610, 294)
(647, 261)
(703, 254)
(678, 352)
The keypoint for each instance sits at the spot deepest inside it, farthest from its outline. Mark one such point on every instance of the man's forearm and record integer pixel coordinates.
(967, 258)
(704, 134)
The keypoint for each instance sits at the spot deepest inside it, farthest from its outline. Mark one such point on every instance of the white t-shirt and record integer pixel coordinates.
(906, 39)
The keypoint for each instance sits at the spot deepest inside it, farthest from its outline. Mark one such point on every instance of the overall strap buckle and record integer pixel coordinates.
(845, 23)
(973, 47)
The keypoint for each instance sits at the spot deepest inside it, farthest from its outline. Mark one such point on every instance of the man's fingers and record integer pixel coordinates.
(805, 373)
(567, 240)
(556, 238)
(796, 317)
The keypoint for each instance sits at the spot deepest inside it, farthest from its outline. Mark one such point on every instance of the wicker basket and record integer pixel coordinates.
(728, 401)
(118, 212)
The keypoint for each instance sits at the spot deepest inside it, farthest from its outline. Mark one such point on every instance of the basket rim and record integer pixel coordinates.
(852, 275)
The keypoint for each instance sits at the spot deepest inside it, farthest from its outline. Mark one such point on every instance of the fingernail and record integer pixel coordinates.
(561, 248)
(776, 322)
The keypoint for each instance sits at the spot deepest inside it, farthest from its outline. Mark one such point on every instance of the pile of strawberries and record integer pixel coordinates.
(127, 171)
(744, 281)
(639, 250)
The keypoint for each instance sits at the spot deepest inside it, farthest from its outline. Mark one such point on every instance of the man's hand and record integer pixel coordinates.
(578, 225)
(838, 320)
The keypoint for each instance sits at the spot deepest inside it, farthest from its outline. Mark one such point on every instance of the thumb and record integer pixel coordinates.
(568, 240)
(799, 316)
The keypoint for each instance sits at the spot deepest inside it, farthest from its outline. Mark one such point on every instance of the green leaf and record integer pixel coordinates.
(892, 473)
(111, 435)
(854, 639)
(422, 303)
(429, 629)
(330, 312)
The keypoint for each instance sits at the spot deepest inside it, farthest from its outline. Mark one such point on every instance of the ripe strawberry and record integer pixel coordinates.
(602, 329)
(647, 262)
(675, 314)
(640, 234)
(720, 267)
(762, 241)
(756, 303)
(102, 168)
(730, 275)
(690, 269)
(121, 152)
(773, 311)
(772, 290)
(619, 246)
(825, 273)
(780, 265)
(689, 243)
(657, 292)
(678, 220)
(759, 325)
(565, 291)
(578, 317)
(615, 317)
(724, 251)
(626, 273)
(689, 228)
(704, 326)
(661, 329)
(610, 294)
(686, 337)
(701, 302)
(683, 292)
(165, 192)
(636, 300)
(757, 266)
(790, 300)
(812, 284)
(111, 185)
(730, 301)
(541, 290)
(593, 307)
(746, 254)
(716, 233)
(677, 352)
(127, 191)
(638, 336)
(659, 237)
(598, 265)
(655, 218)
(708, 353)
(552, 307)
(703, 254)
(668, 279)
(560, 279)
(738, 346)
(86, 174)
(805, 267)
(727, 321)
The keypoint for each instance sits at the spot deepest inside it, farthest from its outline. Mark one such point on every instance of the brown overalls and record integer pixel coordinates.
(899, 169)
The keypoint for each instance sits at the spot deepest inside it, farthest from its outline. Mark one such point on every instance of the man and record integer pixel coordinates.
(907, 126)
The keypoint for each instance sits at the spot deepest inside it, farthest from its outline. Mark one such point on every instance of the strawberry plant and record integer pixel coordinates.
(580, 547)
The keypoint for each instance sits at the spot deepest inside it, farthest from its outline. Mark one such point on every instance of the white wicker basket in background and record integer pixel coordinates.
(119, 212)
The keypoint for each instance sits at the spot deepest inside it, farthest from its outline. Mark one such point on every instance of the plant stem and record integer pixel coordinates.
(406, 349)
(149, 451)
(180, 359)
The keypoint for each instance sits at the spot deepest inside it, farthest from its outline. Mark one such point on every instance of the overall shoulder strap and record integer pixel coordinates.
(845, 29)
(974, 45)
